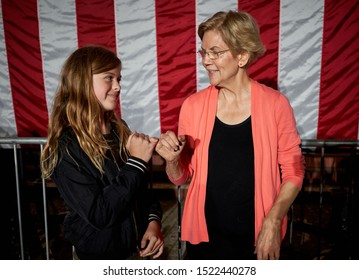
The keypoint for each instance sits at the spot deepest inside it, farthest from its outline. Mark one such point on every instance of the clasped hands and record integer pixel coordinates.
(169, 146)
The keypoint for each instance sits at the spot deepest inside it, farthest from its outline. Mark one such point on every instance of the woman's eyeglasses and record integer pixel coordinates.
(211, 54)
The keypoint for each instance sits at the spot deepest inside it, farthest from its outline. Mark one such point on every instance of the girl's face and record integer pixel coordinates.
(107, 88)
(221, 66)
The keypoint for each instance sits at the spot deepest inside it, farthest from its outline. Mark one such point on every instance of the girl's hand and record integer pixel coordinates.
(141, 146)
(152, 242)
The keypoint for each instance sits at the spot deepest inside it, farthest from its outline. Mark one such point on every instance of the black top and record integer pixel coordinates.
(229, 203)
(100, 223)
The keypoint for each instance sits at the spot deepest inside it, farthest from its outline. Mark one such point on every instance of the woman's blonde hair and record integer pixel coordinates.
(76, 106)
(239, 31)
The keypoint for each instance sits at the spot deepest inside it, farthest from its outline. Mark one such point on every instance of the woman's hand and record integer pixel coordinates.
(152, 241)
(269, 238)
(170, 146)
(268, 242)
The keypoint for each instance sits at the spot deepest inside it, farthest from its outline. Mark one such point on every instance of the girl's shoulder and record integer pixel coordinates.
(67, 135)
(68, 142)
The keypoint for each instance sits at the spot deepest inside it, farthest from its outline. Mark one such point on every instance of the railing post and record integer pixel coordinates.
(17, 181)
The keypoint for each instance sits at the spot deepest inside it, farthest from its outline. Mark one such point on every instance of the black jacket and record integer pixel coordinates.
(108, 213)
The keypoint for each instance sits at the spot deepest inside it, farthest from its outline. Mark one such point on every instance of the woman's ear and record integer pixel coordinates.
(243, 59)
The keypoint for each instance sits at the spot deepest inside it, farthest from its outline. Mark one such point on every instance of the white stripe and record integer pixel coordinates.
(7, 114)
(58, 38)
(301, 25)
(205, 9)
(136, 37)
(138, 163)
(134, 165)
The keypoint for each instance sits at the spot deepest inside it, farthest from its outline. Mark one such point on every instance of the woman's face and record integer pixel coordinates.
(222, 70)
(107, 88)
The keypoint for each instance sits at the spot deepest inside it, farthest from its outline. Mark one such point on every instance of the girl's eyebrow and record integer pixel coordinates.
(112, 74)
(109, 72)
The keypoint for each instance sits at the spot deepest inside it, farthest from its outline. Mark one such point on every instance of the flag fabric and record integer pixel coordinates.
(312, 57)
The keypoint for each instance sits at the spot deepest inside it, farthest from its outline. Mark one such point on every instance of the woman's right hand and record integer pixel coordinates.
(170, 146)
(141, 146)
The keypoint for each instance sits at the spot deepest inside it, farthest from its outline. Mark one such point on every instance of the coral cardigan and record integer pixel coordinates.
(276, 143)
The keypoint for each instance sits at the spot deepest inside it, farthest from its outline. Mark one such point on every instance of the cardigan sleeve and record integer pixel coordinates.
(290, 158)
(184, 126)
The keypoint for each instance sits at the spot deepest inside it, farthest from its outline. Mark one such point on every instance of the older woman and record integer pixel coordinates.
(238, 146)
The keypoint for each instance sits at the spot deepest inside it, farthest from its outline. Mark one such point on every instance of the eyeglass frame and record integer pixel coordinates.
(214, 54)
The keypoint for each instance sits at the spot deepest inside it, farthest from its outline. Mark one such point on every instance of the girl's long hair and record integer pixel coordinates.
(75, 106)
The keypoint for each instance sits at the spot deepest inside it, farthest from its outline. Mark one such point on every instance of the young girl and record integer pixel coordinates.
(98, 165)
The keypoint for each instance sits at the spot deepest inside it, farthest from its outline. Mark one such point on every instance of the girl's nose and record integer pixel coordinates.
(116, 86)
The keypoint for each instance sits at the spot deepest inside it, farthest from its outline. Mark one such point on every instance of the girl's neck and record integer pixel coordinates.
(106, 128)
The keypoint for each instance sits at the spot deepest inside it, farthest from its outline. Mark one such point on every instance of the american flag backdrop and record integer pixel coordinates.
(312, 57)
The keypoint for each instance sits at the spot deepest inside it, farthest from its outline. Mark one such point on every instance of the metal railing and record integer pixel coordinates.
(324, 149)
(15, 142)
(20, 142)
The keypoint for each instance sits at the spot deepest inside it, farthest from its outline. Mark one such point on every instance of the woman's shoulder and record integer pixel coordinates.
(200, 96)
(266, 93)
(259, 87)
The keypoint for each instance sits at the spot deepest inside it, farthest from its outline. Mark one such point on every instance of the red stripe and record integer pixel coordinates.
(339, 93)
(25, 67)
(96, 22)
(176, 57)
(266, 13)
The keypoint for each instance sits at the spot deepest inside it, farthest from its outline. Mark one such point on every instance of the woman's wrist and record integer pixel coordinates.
(173, 170)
